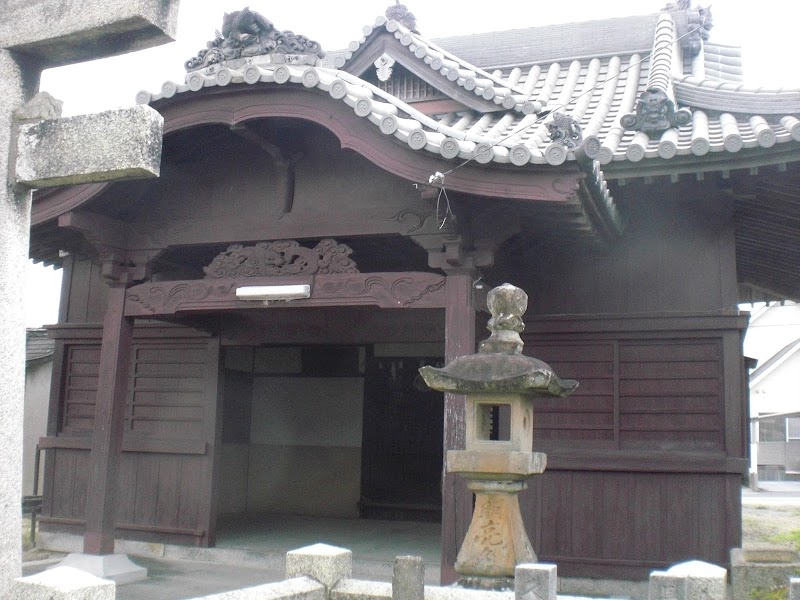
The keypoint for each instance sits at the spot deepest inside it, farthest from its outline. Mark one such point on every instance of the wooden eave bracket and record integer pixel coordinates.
(112, 241)
(96, 228)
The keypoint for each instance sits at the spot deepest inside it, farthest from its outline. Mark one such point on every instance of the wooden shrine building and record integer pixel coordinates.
(618, 171)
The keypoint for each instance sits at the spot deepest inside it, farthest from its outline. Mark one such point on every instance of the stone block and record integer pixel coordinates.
(408, 578)
(535, 581)
(666, 587)
(794, 588)
(459, 593)
(114, 144)
(63, 583)
(518, 464)
(114, 567)
(766, 553)
(301, 588)
(693, 580)
(327, 564)
(73, 31)
(762, 568)
(358, 589)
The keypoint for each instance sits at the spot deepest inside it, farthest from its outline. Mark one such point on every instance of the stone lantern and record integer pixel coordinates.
(500, 384)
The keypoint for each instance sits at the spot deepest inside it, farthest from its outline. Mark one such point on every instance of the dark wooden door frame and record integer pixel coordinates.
(453, 292)
(385, 290)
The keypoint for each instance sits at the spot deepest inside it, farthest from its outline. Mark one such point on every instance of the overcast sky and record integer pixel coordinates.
(766, 30)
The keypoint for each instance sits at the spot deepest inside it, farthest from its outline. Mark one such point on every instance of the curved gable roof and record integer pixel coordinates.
(597, 72)
(506, 85)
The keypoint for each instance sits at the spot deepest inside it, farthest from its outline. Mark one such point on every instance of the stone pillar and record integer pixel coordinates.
(327, 564)
(496, 541)
(408, 578)
(794, 588)
(536, 581)
(693, 580)
(15, 207)
(29, 44)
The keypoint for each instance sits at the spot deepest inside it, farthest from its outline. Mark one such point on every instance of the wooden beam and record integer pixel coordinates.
(386, 290)
(534, 183)
(459, 341)
(109, 418)
(99, 231)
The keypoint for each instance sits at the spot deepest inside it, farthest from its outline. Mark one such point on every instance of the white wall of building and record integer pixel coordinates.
(37, 397)
(771, 329)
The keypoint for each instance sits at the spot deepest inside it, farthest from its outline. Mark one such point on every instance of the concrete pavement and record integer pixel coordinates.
(773, 493)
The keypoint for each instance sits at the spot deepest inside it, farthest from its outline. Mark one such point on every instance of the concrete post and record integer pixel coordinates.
(327, 564)
(408, 578)
(84, 30)
(535, 581)
(15, 207)
(693, 580)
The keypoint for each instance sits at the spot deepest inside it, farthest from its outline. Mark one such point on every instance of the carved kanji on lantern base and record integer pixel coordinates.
(496, 541)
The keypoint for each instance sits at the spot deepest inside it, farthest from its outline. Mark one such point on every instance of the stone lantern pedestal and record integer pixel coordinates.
(500, 384)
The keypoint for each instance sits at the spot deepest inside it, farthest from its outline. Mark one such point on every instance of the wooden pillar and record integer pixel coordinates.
(459, 341)
(109, 419)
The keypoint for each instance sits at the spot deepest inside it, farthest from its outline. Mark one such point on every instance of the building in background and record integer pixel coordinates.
(773, 338)
(38, 374)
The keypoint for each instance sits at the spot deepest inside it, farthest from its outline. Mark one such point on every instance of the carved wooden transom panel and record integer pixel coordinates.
(284, 257)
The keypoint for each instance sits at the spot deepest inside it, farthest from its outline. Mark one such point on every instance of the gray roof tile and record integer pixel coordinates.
(38, 346)
(597, 89)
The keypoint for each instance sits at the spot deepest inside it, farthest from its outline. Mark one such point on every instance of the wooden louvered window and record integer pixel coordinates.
(633, 394)
(80, 388)
(167, 391)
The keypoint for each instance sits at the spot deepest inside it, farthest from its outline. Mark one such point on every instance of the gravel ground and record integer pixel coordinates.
(765, 524)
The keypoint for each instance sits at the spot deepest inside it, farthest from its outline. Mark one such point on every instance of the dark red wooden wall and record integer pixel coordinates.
(644, 461)
(165, 486)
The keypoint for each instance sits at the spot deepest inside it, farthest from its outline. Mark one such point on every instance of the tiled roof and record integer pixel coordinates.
(596, 91)
(562, 42)
(489, 86)
(38, 345)
(723, 63)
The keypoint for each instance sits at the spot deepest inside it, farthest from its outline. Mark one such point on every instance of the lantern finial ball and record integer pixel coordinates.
(507, 303)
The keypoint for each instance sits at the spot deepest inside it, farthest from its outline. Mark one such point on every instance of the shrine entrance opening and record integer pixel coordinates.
(325, 429)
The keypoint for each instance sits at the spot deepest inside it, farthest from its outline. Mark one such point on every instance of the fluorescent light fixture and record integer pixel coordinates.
(273, 293)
